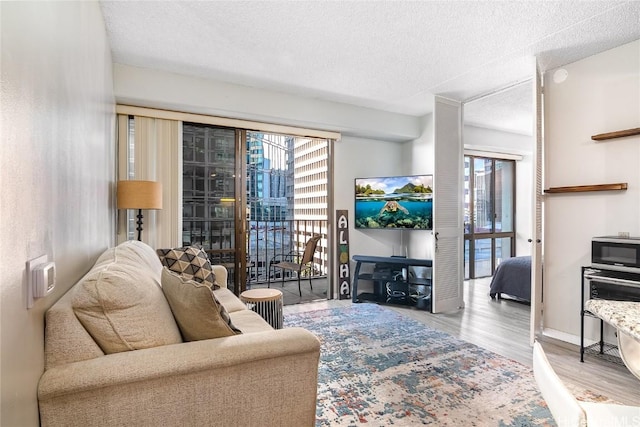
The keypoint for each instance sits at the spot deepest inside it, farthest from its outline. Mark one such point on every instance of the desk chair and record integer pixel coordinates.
(296, 262)
(567, 411)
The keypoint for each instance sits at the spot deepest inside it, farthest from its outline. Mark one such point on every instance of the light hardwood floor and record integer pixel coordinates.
(503, 327)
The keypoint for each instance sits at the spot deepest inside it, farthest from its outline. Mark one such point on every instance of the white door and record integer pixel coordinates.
(536, 233)
(448, 277)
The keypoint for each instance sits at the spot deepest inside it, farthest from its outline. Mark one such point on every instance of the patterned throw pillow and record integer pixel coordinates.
(191, 262)
(197, 311)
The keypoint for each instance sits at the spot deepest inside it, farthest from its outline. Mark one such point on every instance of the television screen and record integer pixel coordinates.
(394, 202)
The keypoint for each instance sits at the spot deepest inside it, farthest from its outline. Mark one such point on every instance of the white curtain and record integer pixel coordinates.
(154, 155)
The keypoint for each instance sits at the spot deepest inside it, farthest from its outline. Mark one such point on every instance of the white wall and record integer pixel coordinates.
(601, 94)
(362, 158)
(419, 154)
(354, 158)
(159, 89)
(57, 162)
(491, 140)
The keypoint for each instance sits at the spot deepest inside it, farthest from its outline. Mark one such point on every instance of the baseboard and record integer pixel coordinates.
(565, 337)
(574, 339)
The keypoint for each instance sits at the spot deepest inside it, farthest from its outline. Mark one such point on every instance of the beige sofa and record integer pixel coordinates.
(262, 377)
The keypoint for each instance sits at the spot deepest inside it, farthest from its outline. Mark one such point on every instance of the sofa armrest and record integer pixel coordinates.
(221, 275)
(267, 378)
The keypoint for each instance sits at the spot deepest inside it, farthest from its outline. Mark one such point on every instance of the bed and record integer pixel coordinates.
(512, 278)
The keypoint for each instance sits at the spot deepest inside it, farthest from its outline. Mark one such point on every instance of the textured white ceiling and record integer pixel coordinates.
(387, 55)
(508, 110)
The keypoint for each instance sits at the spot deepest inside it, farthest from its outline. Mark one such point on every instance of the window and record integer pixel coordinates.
(489, 214)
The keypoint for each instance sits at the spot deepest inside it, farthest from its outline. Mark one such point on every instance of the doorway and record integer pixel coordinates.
(502, 125)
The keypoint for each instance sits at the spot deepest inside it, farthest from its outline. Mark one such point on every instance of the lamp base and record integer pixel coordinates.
(139, 222)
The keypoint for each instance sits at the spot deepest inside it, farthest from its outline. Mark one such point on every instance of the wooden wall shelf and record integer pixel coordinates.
(582, 188)
(617, 134)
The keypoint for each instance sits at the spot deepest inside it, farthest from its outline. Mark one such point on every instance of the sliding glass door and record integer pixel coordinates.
(212, 194)
(249, 196)
(489, 214)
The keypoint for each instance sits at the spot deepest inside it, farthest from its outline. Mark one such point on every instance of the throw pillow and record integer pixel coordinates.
(191, 262)
(197, 311)
(123, 308)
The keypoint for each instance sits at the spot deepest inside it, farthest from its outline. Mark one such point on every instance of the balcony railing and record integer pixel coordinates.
(267, 239)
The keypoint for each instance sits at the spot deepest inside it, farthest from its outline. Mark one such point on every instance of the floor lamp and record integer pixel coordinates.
(139, 195)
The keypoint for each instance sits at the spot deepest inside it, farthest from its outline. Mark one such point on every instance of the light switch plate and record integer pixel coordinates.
(31, 265)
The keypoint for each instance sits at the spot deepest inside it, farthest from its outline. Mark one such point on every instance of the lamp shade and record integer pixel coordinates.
(139, 195)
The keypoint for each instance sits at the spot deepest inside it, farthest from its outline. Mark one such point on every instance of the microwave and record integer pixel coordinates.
(616, 253)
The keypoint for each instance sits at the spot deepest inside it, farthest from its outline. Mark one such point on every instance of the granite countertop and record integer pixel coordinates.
(623, 315)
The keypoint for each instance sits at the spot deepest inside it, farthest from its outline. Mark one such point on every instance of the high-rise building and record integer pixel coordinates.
(310, 187)
(268, 173)
(311, 194)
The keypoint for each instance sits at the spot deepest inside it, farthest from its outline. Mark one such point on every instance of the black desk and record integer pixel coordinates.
(390, 287)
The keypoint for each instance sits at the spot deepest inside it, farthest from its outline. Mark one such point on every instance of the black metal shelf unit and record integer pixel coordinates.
(605, 284)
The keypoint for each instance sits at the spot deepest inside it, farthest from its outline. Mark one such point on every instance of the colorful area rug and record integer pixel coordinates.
(379, 368)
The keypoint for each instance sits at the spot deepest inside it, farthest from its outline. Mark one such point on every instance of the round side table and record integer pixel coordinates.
(267, 303)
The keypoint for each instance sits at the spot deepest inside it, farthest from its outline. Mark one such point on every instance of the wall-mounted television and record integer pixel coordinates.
(394, 202)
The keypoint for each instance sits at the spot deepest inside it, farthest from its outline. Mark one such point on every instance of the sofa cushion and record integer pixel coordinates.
(198, 313)
(229, 300)
(250, 321)
(132, 252)
(123, 308)
(191, 262)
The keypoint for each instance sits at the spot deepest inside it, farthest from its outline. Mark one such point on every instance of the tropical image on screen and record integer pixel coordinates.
(404, 202)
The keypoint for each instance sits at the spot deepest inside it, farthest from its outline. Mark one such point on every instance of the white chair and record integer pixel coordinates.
(629, 349)
(567, 411)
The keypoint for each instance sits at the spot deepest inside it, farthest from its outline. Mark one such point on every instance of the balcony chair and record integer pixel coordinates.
(296, 262)
(567, 411)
